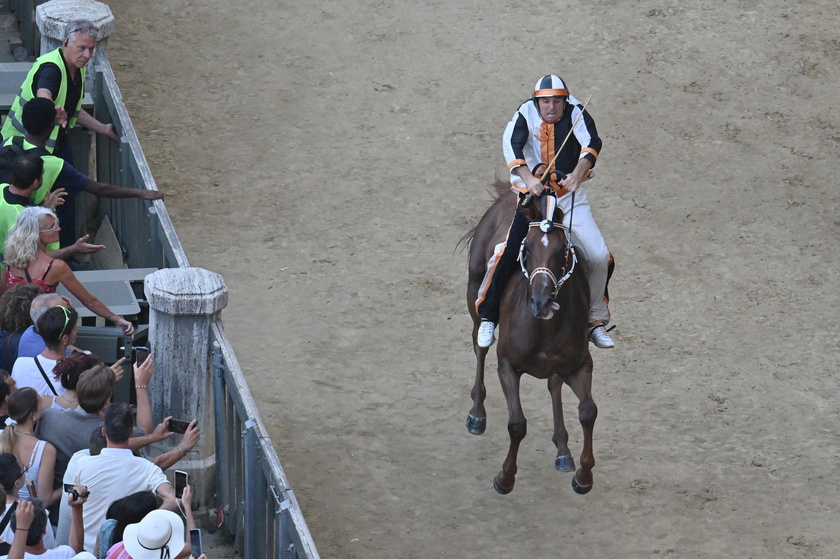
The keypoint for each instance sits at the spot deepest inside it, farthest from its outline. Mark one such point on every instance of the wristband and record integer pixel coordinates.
(142, 386)
(21, 529)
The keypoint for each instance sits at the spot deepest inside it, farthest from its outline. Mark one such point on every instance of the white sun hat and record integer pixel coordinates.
(160, 535)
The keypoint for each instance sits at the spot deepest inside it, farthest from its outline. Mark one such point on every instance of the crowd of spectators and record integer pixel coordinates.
(77, 474)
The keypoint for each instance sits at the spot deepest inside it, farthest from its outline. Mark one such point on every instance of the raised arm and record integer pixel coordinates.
(106, 190)
(61, 273)
(88, 121)
(142, 376)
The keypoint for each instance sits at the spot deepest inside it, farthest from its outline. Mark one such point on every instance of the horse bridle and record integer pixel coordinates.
(570, 249)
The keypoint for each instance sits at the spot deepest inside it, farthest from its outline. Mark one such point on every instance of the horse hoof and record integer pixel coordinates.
(476, 425)
(499, 488)
(564, 464)
(580, 489)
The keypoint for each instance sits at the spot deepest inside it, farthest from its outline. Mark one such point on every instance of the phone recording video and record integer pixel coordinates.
(195, 542)
(180, 482)
(178, 426)
(140, 354)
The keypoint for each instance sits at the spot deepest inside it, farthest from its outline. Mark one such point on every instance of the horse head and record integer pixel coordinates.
(546, 255)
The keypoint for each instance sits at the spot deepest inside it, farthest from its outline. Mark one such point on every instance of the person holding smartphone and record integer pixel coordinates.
(117, 473)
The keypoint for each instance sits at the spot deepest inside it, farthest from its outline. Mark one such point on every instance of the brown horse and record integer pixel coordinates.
(542, 332)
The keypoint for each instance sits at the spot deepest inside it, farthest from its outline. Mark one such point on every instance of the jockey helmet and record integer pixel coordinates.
(550, 86)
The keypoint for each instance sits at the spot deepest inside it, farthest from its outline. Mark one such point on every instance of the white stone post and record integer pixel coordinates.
(183, 303)
(52, 18)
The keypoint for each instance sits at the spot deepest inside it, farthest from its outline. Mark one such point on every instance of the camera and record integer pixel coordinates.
(69, 488)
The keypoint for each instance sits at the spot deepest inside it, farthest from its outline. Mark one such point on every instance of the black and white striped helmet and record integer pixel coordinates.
(550, 86)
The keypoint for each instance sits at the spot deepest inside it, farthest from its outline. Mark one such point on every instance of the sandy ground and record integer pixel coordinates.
(326, 156)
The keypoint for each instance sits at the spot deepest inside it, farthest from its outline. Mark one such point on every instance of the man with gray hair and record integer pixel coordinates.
(59, 76)
(31, 342)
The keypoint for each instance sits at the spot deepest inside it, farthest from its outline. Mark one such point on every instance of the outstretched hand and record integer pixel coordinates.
(111, 131)
(83, 247)
(54, 198)
(151, 195)
(127, 327)
(61, 116)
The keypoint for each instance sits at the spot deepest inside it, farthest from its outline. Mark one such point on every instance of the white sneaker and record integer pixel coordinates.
(485, 337)
(598, 336)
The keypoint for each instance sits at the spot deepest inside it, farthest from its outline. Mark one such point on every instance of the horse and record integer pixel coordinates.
(542, 332)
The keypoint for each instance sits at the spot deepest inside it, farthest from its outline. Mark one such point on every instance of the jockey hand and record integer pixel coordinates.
(573, 179)
(534, 185)
(571, 182)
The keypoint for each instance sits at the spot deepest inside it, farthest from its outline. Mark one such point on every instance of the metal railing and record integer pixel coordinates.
(253, 494)
(249, 476)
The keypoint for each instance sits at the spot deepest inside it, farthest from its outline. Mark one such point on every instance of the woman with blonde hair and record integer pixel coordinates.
(27, 261)
(37, 456)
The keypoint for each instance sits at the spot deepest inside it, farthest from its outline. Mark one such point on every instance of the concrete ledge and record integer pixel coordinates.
(186, 291)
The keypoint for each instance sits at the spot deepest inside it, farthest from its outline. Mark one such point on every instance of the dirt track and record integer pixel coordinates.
(326, 156)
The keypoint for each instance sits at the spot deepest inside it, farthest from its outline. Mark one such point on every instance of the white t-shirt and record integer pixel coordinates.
(114, 474)
(8, 534)
(65, 511)
(26, 373)
(60, 552)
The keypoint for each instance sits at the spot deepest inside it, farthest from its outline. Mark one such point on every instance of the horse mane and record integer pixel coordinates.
(501, 187)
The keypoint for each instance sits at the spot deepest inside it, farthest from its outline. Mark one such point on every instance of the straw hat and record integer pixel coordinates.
(160, 535)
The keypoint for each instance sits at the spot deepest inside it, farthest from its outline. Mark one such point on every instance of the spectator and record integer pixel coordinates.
(61, 180)
(97, 443)
(12, 475)
(59, 76)
(27, 185)
(69, 431)
(18, 438)
(67, 371)
(121, 513)
(26, 250)
(7, 386)
(116, 473)
(160, 534)
(14, 321)
(58, 328)
(39, 526)
(31, 342)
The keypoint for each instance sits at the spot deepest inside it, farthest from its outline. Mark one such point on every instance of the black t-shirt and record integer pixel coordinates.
(16, 199)
(48, 77)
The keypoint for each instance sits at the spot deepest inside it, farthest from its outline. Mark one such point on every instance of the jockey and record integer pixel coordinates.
(532, 137)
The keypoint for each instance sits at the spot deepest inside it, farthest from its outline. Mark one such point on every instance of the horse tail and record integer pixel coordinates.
(465, 241)
(500, 187)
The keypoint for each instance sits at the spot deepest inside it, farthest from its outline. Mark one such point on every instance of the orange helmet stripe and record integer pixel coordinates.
(551, 93)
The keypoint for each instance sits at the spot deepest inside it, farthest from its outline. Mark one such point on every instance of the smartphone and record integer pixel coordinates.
(195, 542)
(178, 426)
(30, 485)
(140, 354)
(69, 488)
(180, 483)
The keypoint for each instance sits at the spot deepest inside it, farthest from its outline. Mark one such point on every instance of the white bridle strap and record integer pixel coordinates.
(570, 249)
